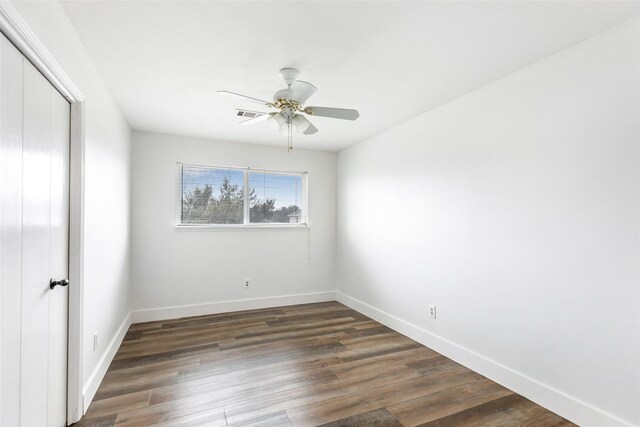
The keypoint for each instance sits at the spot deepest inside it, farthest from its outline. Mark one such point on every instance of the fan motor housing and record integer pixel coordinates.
(283, 103)
(281, 94)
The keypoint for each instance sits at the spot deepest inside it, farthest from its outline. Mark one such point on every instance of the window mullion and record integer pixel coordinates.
(247, 207)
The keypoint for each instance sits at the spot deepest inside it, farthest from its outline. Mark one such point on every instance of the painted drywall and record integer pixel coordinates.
(106, 182)
(516, 210)
(184, 267)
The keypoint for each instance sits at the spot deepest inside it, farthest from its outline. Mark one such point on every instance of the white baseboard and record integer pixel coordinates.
(91, 386)
(164, 313)
(555, 400)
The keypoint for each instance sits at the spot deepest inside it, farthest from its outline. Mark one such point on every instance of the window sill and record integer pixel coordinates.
(238, 227)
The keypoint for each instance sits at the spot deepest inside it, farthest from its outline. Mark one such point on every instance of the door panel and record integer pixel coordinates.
(10, 230)
(35, 246)
(59, 256)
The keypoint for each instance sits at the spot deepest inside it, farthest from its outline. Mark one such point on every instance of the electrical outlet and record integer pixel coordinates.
(247, 283)
(432, 311)
(95, 340)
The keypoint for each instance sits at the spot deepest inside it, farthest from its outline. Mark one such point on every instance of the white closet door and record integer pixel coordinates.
(34, 229)
(36, 208)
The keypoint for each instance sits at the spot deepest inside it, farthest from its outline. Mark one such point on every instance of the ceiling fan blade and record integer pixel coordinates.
(336, 113)
(301, 91)
(257, 119)
(248, 98)
(310, 130)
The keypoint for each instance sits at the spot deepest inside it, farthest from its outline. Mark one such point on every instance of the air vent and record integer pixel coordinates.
(248, 114)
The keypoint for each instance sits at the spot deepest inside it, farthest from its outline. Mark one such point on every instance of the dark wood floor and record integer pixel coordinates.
(305, 365)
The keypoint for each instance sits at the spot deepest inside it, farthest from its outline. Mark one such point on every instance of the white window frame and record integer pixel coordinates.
(304, 224)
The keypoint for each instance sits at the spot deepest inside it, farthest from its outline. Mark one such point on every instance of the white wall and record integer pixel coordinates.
(107, 184)
(516, 210)
(177, 267)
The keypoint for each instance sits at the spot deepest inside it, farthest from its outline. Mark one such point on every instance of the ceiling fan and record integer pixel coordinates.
(290, 101)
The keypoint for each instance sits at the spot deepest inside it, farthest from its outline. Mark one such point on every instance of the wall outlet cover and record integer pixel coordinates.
(432, 311)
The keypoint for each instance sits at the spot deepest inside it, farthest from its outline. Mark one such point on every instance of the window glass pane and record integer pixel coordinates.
(212, 195)
(275, 198)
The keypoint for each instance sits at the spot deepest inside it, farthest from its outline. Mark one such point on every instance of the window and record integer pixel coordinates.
(215, 195)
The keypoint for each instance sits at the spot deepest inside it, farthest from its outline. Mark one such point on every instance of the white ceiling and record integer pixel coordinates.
(164, 61)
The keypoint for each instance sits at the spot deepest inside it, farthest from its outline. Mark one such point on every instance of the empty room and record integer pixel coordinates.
(319, 213)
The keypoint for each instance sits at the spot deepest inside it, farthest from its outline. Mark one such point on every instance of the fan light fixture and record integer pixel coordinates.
(280, 123)
(276, 121)
(300, 123)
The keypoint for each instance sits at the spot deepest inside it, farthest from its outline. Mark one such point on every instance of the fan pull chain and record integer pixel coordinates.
(289, 136)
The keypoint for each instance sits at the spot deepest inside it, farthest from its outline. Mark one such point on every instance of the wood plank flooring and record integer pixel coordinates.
(306, 365)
